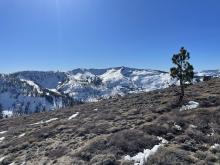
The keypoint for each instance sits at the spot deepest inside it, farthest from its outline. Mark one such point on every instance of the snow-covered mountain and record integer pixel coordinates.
(33, 91)
(93, 84)
(212, 73)
(25, 96)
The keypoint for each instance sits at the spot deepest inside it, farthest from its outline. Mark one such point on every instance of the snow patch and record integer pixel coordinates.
(21, 135)
(179, 128)
(192, 126)
(163, 141)
(42, 122)
(112, 75)
(3, 132)
(92, 100)
(73, 116)
(212, 133)
(215, 146)
(53, 90)
(31, 83)
(142, 157)
(82, 76)
(7, 113)
(2, 158)
(189, 106)
(53, 119)
(143, 72)
(1, 139)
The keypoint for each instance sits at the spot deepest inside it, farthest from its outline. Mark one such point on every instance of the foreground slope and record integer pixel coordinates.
(108, 131)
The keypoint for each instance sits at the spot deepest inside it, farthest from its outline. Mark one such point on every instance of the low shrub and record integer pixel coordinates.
(157, 130)
(107, 159)
(130, 142)
(57, 152)
(210, 101)
(168, 156)
(94, 147)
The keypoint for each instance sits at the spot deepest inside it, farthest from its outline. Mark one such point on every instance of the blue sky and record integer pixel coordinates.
(67, 34)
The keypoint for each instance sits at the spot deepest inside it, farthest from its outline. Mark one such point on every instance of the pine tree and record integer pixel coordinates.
(183, 70)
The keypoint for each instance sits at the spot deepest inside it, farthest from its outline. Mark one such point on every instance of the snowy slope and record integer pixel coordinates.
(32, 91)
(91, 85)
(25, 96)
(44, 79)
(213, 73)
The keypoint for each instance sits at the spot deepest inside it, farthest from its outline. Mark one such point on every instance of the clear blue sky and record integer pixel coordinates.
(67, 34)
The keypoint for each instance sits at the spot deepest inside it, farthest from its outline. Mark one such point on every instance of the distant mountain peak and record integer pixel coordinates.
(40, 90)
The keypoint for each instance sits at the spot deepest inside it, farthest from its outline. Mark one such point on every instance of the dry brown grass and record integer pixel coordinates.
(121, 126)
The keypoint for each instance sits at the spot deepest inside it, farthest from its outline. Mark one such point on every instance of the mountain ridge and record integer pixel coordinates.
(48, 90)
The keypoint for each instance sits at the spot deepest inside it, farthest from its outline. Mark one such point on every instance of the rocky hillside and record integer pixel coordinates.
(23, 96)
(33, 91)
(145, 128)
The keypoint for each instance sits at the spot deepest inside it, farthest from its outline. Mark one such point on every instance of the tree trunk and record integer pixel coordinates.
(182, 92)
(181, 84)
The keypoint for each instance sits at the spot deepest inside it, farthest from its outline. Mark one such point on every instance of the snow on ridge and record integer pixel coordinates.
(214, 73)
(33, 84)
(54, 90)
(112, 75)
(154, 82)
(80, 76)
(143, 72)
(115, 81)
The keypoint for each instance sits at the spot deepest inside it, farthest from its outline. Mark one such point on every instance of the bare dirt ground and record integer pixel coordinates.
(103, 133)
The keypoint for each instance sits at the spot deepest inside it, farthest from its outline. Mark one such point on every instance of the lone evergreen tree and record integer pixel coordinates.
(183, 70)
